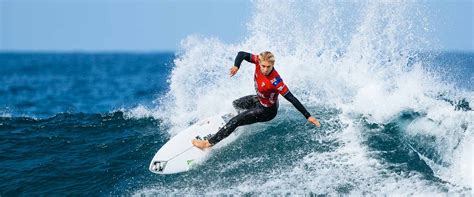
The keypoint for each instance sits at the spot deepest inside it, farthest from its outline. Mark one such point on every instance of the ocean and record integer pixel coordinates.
(396, 117)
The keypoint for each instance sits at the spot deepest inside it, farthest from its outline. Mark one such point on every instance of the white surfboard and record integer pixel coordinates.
(178, 154)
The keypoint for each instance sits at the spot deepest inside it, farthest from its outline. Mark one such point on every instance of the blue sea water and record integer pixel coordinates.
(64, 129)
(45, 84)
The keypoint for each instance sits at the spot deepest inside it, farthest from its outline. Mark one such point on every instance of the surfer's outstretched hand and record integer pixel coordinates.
(314, 121)
(202, 144)
(233, 70)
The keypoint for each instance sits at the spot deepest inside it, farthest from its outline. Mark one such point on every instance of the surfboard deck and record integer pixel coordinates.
(178, 154)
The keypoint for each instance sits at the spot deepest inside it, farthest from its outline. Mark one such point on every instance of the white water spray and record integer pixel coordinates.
(361, 57)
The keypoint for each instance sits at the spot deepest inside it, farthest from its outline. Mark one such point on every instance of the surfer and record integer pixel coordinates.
(261, 107)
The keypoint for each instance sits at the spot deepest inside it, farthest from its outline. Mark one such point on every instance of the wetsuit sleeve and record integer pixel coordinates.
(293, 100)
(241, 56)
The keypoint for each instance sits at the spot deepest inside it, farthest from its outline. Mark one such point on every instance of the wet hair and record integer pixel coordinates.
(267, 56)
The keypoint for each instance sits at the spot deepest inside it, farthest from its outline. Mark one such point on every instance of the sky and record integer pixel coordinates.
(160, 25)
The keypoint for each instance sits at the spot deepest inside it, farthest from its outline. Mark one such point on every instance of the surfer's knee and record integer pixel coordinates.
(235, 103)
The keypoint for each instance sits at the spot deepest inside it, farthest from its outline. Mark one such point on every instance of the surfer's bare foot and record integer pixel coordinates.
(202, 144)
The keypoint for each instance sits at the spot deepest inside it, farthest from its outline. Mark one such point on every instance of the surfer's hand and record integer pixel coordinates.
(233, 70)
(314, 121)
(201, 144)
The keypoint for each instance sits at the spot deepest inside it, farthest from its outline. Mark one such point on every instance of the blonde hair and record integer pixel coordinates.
(267, 56)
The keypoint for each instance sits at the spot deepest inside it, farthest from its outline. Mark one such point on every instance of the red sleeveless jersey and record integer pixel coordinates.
(268, 87)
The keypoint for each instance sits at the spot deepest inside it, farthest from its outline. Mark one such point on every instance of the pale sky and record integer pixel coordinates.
(146, 25)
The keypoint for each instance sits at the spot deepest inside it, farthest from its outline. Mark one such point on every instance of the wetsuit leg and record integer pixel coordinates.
(246, 102)
(252, 115)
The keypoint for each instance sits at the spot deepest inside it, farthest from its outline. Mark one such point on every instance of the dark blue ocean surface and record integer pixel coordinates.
(59, 132)
(458, 68)
(64, 131)
(44, 84)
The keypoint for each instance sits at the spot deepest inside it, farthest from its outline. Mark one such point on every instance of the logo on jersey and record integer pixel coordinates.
(281, 88)
(275, 81)
(263, 84)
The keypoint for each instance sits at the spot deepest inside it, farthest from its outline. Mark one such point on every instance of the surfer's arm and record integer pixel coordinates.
(293, 100)
(241, 56)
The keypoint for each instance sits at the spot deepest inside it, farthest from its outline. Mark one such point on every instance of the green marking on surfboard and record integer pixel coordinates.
(190, 161)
